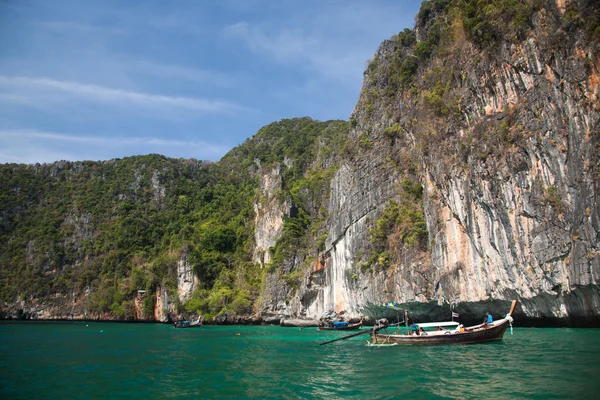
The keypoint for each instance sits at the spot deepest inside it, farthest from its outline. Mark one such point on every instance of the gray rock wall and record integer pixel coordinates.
(523, 223)
(513, 216)
(187, 281)
(268, 215)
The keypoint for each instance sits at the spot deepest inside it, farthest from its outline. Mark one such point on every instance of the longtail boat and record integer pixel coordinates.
(446, 332)
(184, 323)
(340, 326)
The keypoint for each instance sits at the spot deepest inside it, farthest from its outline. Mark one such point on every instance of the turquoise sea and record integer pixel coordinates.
(89, 360)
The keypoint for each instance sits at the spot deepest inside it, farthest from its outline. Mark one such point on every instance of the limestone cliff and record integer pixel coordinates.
(269, 212)
(187, 281)
(517, 214)
(502, 134)
(467, 176)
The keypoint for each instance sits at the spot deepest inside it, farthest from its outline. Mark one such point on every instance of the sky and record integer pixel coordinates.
(97, 80)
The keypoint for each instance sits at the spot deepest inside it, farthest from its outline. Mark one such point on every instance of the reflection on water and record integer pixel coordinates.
(72, 360)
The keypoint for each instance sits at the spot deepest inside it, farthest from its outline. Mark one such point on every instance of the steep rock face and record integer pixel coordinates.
(163, 305)
(187, 281)
(359, 194)
(469, 178)
(509, 167)
(138, 308)
(522, 221)
(291, 217)
(269, 212)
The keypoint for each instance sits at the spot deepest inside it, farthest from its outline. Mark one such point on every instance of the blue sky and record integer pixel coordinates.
(95, 80)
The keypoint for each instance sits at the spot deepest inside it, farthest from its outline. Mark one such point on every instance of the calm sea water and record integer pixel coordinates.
(82, 360)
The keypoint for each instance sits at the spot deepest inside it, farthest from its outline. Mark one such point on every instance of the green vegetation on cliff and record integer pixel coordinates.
(438, 105)
(115, 227)
(459, 94)
(309, 161)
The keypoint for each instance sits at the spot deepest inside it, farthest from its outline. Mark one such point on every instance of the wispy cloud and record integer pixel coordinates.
(106, 94)
(196, 75)
(78, 28)
(283, 45)
(177, 79)
(108, 141)
(27, 146)
(331, 40)
(174, 21)
(296, 47)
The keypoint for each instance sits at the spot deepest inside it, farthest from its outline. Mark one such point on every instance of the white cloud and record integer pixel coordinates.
(333, 39)
(106, 94)
(31, 146)
(107, 141)
(196, 75)
(297, 47)
(78, 28)
(285, 45)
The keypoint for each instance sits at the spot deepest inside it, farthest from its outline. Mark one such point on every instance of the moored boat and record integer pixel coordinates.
(447, 332)
(340, 326)
(184, 323)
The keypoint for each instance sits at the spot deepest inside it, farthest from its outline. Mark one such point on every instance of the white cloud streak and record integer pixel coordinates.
(179, 72)
(284, 45)
(70, 27)
(332, 39)
(106, 141)
(296, 47)
(106, 94)
(30, 146)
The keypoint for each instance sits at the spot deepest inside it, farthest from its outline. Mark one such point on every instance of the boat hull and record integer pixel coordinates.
(477, 334)
(187, 324)
(347, 328)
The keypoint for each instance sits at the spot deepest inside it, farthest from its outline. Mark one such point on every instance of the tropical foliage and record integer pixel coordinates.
(115, 227)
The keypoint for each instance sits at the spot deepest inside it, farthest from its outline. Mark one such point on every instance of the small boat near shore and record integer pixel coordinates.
(449, 332)
(184, 323)
(340, 326)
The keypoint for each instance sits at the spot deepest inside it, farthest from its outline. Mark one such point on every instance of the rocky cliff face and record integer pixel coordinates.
(506, 142)
(187, 281)
(163, 305)
(524, 223)
(469, 177)
(522, 220)
(269, 211)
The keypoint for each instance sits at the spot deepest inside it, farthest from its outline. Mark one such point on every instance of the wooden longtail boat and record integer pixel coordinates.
(340, 327)
(184, 323)
(455, 334)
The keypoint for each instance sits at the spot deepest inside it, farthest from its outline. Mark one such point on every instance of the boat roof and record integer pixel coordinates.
(436, 324)
(395, 308)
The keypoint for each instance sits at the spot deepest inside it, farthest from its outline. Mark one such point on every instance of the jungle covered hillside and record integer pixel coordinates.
(93, 234)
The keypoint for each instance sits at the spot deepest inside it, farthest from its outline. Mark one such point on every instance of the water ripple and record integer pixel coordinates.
(72, 360)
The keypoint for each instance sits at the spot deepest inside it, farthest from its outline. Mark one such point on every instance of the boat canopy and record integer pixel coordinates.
(436, 324)
(395, 308)
(340, 324)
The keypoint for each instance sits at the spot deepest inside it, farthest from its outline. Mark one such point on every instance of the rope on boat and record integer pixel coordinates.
(510, 321)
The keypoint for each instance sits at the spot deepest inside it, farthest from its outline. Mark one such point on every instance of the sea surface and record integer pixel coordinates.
(92, 360)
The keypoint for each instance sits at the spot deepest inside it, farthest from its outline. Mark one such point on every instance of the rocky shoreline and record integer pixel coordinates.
(571, 310)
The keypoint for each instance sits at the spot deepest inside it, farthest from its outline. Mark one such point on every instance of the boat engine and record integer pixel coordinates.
(381, 323)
